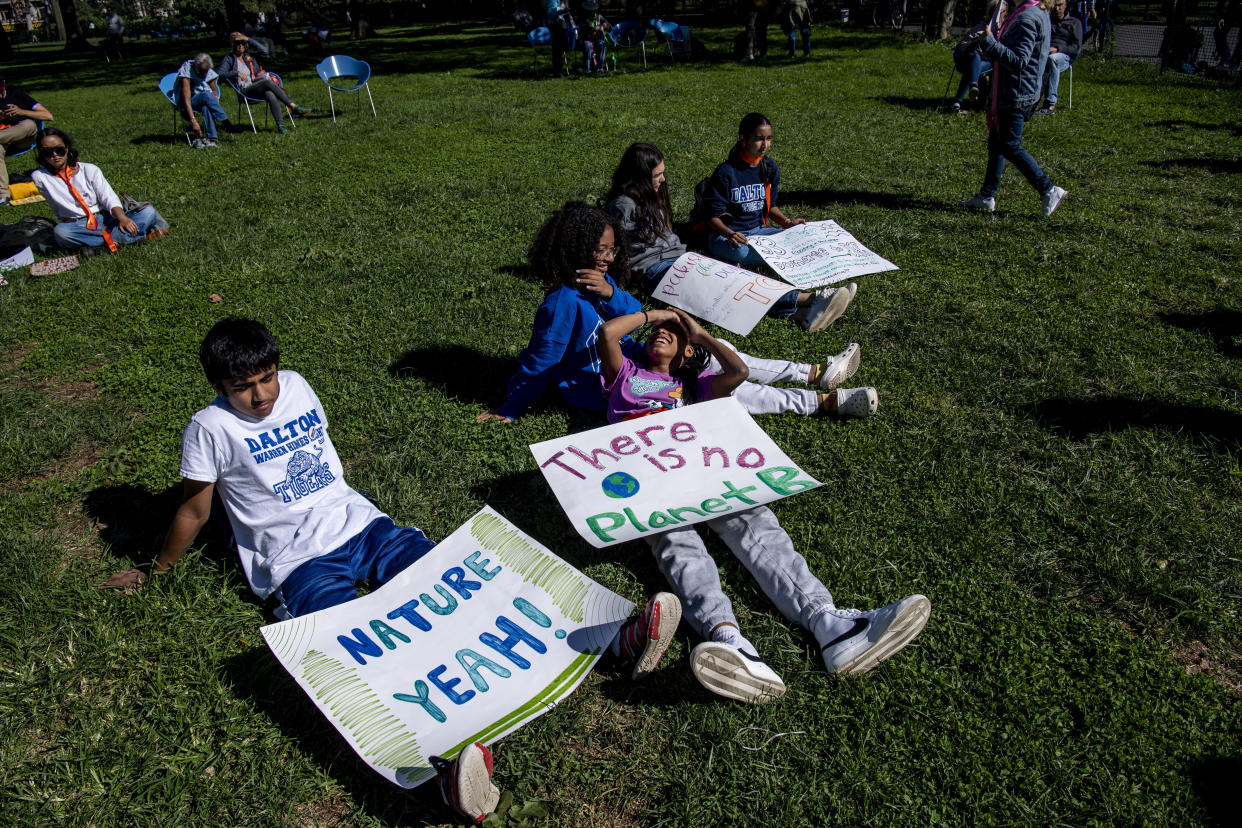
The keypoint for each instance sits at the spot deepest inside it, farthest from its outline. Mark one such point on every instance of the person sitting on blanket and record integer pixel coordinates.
(18, 114)
(309, 550)
(242, 70)
(665, 375)
(91, 214)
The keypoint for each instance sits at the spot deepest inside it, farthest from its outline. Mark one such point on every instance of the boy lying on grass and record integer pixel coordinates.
(664, 375)
(303, 534)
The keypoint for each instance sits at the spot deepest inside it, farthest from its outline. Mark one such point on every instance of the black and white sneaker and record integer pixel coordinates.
(874, 635)
(734, 673)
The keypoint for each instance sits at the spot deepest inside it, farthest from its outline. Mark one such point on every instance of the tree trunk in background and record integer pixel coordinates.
(6, 48)
(939, 23)
(234, 15)
(67, 21)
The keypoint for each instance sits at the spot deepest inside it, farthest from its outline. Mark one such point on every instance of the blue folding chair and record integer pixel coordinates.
(673, 33)
(243, 98)
(539, 36)
(630, 35)
(168, 86)
(344, 66)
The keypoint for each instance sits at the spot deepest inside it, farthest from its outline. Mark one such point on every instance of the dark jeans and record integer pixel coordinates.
(972, 67)
(1006, 144)
(276, 98)
(757, 32)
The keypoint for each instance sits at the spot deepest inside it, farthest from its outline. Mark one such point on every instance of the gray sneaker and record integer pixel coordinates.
(980, 202)
(876, 635)
(1052, 199)
(828, 306)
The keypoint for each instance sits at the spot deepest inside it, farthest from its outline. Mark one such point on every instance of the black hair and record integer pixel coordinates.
(567, 242)
(687, 372)
(749, 123)
(52, 132)
(236, 348)
(632, 179)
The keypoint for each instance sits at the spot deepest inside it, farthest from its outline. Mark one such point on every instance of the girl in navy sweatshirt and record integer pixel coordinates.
(741, 201)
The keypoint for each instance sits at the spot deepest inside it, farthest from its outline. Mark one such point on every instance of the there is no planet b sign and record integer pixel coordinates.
(645, 476)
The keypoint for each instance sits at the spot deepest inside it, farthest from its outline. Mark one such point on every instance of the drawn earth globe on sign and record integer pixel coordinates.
(620, 484)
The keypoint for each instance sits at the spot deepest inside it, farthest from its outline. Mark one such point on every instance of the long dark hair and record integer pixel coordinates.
(688, 370)
(750, 122)
(71, 155)
(567, 242)
(632, 179)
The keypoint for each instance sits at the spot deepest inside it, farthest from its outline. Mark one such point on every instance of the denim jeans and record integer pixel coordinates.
(757, 540)
(74, 234)
(972, 67)
(208, 105)
(1058, 62)
(377, 554)
(744, 256)
(1006, 143)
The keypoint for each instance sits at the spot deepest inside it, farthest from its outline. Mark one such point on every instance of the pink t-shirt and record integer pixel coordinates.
(637, 392)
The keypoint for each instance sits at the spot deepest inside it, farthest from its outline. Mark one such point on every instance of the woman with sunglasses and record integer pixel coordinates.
(90, 211)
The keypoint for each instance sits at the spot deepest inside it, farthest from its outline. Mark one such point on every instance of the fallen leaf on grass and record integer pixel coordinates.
(215, 297)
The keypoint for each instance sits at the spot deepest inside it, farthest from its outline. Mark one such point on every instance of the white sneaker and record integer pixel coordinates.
(876, 635)
(980, 202)
(1052, 199)
(728, 671)
(840, 367)
(857, 402)
(828, 307)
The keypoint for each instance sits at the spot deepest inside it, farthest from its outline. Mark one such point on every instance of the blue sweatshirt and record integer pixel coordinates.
(736, 194)
(563, 349)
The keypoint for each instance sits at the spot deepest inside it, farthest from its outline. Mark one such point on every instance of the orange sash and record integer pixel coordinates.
(767, 188)
(92, 223)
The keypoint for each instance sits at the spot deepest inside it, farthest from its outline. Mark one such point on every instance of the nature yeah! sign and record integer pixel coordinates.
(485, 632)
(645, 476)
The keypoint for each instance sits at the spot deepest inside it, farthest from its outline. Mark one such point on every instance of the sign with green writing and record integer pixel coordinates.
(484, 633)
(645, 476)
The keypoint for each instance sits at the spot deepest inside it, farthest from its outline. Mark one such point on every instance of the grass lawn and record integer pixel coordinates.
(1055, 461)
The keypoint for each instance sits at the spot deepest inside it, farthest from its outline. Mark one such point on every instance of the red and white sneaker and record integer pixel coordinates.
(466, 782)
(645, 637)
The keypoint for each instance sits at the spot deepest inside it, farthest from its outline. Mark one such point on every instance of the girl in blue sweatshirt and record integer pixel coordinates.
(741, 201)
(571, 255)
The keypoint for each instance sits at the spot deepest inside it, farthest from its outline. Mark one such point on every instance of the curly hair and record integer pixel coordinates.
(632, 179)
(567, 242)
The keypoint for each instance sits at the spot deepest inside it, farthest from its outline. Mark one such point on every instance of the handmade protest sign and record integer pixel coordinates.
(640, 477)
(817, 253)
(732, 298)
(484, 633)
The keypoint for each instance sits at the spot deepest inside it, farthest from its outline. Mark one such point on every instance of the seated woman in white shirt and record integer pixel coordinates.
(88, 207)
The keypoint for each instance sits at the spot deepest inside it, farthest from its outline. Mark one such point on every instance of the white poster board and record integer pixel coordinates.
(644, 476)
(721, 293)
(817, 253)
(484, 633)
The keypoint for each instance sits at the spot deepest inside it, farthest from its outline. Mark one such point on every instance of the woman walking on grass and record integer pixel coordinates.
(1018, 49)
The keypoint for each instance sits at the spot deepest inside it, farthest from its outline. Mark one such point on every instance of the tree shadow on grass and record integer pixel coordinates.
(520, 271)
(1224, 326)
(1215, 783)
(889, 201)
(161, 138)
(466, 374)
(1176, 123)
(1216, 166)
(916, 104)
(1079, 418)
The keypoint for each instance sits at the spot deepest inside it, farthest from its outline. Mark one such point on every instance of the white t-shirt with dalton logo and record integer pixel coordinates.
(280, 480)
